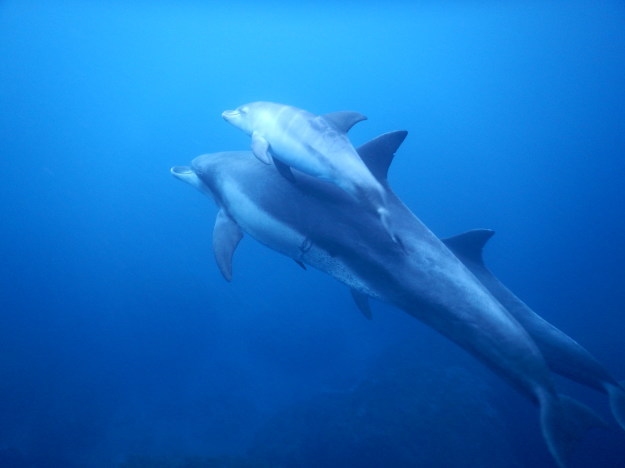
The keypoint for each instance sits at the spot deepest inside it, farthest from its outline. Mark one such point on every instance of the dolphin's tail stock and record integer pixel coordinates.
(564, 422)
(616, 392)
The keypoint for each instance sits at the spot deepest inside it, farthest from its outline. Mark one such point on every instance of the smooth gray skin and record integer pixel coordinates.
(563, 354)
(318, 224)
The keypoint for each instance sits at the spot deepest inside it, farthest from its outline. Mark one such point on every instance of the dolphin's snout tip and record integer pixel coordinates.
(227, 114)
(181, 171)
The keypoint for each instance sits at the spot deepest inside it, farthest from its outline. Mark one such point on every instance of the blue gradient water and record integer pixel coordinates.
(120, 343)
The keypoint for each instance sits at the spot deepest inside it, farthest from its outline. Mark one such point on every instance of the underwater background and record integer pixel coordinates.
(122, 345)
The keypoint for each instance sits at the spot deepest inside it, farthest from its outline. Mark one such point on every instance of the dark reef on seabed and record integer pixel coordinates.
(406, 412)
(418, 405)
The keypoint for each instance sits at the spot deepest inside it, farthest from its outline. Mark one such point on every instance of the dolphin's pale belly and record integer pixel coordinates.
(279, 236)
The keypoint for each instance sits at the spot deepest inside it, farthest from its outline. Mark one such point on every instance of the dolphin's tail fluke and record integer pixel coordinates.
(564, 422)
(617, 402)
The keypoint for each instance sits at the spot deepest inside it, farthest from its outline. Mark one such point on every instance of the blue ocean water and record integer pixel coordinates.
(122, 345)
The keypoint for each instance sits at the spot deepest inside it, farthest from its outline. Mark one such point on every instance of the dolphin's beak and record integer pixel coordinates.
(227, 115)
(182, 172)
(188, 175)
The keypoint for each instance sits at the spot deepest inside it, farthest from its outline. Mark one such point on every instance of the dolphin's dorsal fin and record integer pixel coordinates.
(470, 244)
(362, 301)
(226, 237)
(378, 153)
(344, 120)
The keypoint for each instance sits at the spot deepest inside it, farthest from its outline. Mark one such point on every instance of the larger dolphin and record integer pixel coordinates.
(314, 144)
(563, 354)
(317, 224)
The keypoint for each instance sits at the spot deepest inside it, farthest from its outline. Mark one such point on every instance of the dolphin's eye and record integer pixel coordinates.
(244, 109)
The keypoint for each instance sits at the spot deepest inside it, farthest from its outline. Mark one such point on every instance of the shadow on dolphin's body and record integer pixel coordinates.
(316, 223)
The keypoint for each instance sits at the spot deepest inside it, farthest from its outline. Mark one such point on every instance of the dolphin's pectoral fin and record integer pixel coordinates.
(344, 120)
(260, 148)
(470, 244)
(362, 301)
(284, 169)
(302, 264)
(379, 152)
(226, 237)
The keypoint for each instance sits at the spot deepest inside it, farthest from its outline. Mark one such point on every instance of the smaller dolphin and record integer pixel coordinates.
(314, 144)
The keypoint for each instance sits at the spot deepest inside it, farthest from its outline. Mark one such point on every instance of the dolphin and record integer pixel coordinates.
(316, 145)
(563, 354)
(317, 224)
